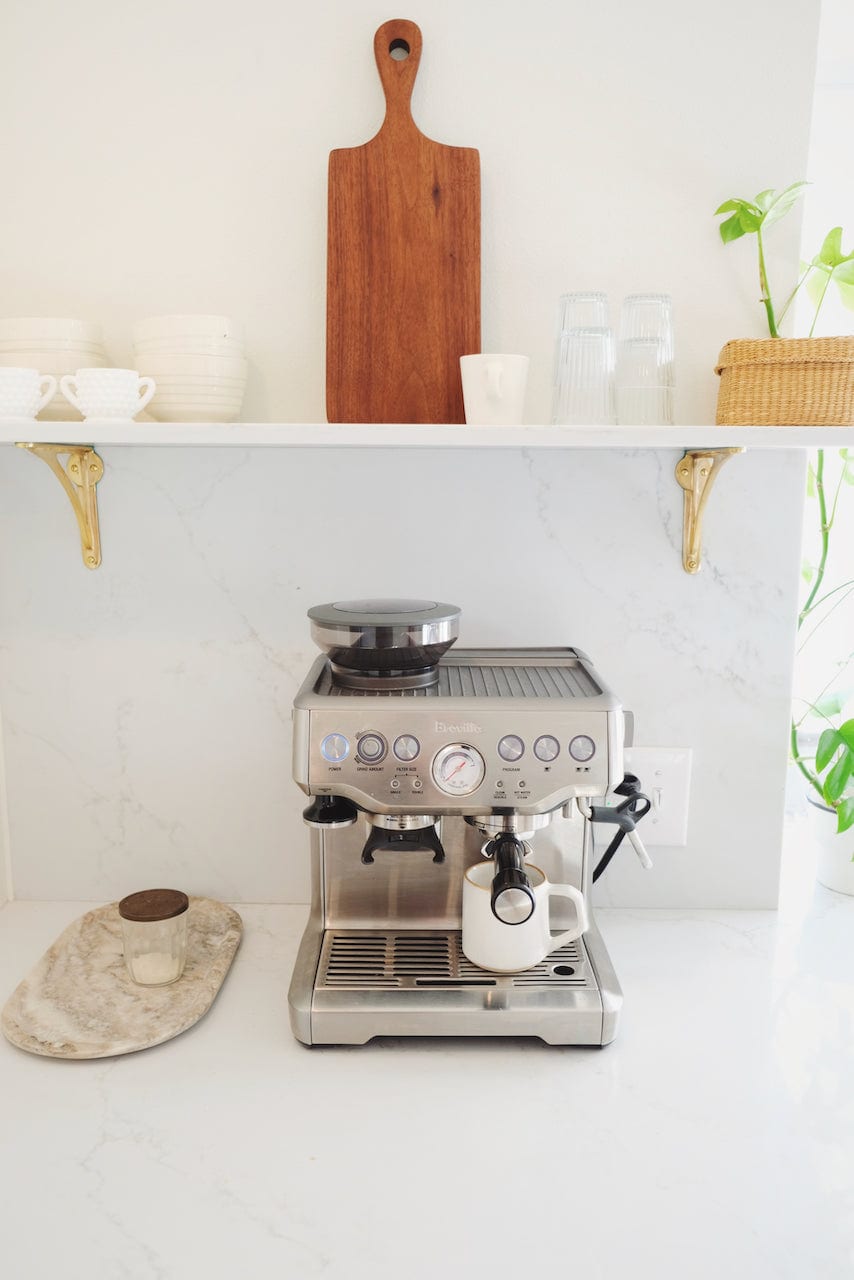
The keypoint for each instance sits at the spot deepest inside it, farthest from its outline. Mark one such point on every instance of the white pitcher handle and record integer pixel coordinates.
(68, 387)
(148, 387)
(581, 923)
(47, 389)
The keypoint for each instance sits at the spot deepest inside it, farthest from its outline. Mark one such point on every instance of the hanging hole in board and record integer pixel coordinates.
(399, 49)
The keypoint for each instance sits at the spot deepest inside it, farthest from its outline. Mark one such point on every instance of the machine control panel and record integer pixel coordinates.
(506, 757)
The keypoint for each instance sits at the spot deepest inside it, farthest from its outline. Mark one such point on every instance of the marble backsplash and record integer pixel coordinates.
(146, 705)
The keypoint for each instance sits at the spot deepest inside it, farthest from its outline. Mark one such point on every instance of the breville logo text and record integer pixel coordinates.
(467, 726)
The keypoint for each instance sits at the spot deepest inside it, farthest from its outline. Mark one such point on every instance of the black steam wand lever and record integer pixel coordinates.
(512, 895)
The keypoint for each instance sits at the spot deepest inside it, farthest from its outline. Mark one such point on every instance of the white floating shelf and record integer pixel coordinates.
(322, 435)
(69, 449)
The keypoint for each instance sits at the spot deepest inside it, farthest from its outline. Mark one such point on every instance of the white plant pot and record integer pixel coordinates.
(835, 869)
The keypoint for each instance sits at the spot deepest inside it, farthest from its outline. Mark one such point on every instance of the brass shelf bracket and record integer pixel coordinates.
(78, 477)
(696, 473)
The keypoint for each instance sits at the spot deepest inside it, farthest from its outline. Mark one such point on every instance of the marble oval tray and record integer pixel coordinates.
(79, 1001)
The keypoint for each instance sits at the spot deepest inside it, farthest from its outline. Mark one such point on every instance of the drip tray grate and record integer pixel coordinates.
(399, 959)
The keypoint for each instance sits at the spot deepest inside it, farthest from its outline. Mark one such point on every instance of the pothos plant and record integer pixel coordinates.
(831, 770)
(829, 266)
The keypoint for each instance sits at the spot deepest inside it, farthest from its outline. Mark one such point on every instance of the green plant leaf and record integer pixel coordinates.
(731, 229)
(730, 206)
(828, 745)
(750, 219)
(782, 202)
(846, 294)
(845, 814)
(843, 272)
(831, 704)
(811, 489)
(831, 250)
(837, 780)
(846, 733)
(807, 573)
(816, 282)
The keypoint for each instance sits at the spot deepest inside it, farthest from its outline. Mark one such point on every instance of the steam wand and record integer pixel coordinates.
(625, 816)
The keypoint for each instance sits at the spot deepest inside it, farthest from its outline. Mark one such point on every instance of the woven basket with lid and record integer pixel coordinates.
(786, 382)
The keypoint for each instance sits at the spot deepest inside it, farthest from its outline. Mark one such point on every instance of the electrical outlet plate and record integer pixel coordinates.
(665, 775)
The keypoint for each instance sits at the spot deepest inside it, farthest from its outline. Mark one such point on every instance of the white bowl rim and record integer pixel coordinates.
(9, 325)
(175, 325)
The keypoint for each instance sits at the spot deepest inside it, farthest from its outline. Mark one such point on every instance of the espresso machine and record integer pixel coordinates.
(422, 761)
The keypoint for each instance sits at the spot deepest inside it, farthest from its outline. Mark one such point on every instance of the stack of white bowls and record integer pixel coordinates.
(52, 346)
(199, 364)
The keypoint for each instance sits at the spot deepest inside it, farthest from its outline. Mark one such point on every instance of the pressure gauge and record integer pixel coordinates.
(458, 769)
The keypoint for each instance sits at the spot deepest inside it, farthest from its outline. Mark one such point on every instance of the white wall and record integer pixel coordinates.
(173, 157)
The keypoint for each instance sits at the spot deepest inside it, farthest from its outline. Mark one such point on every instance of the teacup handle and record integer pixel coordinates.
(148, 387)
(47, 388)
(66, 383)
(581, 924)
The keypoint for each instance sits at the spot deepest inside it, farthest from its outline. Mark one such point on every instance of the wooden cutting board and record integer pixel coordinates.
(403, 275)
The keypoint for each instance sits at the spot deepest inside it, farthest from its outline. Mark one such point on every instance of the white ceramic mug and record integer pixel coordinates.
(494, 389)
(24, 392)
(510, 948)
(107, 393)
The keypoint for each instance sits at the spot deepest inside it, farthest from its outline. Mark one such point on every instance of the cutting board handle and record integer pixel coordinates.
(397, 49)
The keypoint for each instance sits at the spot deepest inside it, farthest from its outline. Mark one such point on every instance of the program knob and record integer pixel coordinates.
(511, 748)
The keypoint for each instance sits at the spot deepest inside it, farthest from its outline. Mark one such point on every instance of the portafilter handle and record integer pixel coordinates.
(512, 896)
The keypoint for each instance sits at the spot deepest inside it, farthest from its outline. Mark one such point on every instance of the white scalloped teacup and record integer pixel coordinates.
(24, 392)
(107, 394)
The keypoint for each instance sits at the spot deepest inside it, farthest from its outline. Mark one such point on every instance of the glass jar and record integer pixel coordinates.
(154, 935)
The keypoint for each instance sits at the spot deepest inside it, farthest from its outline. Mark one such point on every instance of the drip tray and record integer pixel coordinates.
(411, 960)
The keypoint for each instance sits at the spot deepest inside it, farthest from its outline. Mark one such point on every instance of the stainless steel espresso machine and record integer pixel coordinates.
(421, 762)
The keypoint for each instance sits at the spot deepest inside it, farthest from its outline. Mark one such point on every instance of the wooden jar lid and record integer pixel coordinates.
(153, 904)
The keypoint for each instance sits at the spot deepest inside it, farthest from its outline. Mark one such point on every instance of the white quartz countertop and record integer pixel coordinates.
(714, 1137)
